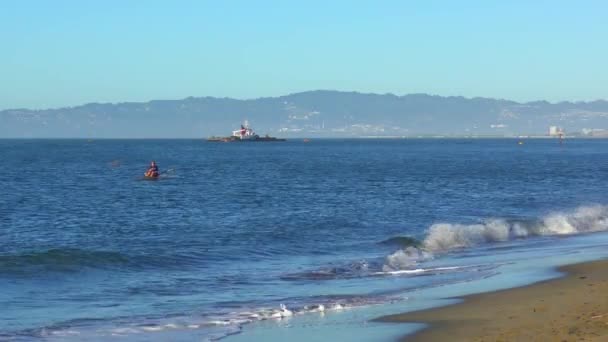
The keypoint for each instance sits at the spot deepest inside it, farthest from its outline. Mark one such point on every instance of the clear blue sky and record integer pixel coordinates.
(63, 53)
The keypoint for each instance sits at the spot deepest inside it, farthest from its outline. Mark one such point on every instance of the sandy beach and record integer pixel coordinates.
(571, 308)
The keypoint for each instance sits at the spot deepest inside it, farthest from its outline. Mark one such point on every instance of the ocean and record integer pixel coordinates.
(268, 241)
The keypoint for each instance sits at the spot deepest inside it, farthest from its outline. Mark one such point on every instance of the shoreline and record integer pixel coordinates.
(570, 308)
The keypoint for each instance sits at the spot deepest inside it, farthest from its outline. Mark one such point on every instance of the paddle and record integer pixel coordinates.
(166, 171)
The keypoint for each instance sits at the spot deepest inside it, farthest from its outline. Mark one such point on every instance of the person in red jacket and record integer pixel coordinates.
(152, 170)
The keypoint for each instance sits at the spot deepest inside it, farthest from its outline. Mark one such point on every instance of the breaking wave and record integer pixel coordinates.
(405, 259)
(446, 236)
(402, 262)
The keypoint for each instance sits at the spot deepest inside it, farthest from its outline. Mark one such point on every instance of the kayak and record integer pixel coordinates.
(152, 174)
(150, 178)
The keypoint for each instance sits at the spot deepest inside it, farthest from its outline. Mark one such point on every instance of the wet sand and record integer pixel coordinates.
(572, 308)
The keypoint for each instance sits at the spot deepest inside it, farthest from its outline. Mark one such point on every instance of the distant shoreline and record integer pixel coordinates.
(570, 308)
(299, 138)
(322, 113)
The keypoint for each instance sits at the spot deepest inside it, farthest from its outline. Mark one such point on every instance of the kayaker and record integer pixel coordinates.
(152, 170)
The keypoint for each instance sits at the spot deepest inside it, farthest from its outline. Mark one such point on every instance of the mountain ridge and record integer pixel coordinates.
(327, 113)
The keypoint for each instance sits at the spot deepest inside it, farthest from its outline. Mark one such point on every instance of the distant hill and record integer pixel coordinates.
(315, 113)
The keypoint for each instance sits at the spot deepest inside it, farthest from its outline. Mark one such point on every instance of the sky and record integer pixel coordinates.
(65, 53)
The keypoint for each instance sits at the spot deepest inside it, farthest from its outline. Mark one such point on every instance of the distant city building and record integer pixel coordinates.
(595, 132)
(555, 131)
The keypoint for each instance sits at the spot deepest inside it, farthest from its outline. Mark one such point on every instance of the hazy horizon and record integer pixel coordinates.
(309, 114)
(302, 92)
(67, 53)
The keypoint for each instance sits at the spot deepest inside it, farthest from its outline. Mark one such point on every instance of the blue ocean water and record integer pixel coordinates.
(231, 232)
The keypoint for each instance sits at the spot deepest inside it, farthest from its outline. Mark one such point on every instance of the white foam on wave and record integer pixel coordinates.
(125, 331)
(405, 258)
(153, 328)
(447, 236)
(65, 333)
(213, 327)
(444, 237)
(420, 270)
